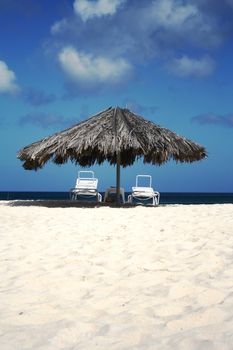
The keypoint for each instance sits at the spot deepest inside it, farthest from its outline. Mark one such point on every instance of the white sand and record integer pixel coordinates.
(109, 278)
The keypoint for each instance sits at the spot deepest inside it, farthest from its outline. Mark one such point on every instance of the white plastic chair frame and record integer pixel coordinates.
(86, 186)
(144, 193)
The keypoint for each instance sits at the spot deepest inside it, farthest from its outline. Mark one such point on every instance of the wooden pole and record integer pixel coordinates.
(118, 160)
(118, 178)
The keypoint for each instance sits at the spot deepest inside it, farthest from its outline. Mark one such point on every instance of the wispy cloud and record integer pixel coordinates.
(59, 26)
(183, 33)
(157, 27)
(46, 120)
(138, 108)
(192, 67)
(230, 2)
(88, 9)
(215, 119)
(172, 14)
(86, 69)
(37, 97)
(7, 80)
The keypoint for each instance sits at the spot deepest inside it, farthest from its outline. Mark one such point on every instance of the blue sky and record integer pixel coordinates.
(170, 61)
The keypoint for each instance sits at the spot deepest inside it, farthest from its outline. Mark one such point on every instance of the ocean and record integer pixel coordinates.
(165, 198)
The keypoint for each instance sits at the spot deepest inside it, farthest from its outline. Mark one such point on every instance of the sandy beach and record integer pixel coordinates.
(116, 278)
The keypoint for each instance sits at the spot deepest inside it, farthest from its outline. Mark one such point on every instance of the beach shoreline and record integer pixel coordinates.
(107, 277)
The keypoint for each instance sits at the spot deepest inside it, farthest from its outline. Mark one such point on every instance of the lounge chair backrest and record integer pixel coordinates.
(86, 182)
(148, 179)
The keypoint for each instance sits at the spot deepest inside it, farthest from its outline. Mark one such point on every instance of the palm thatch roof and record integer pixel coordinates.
(110, 133)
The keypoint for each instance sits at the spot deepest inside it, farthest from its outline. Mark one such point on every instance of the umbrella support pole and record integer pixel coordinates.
(118, 178)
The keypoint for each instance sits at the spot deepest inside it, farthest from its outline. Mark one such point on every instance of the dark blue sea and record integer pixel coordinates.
(165, 198)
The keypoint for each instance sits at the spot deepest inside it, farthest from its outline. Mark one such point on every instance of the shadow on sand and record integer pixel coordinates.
(71, 204)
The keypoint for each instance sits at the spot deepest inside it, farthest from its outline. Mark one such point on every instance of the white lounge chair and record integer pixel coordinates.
(86, 187)
(143, 194)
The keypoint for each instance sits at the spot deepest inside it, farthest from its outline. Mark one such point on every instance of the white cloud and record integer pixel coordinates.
(171, 13)
(140, 32)
(89, 9)
(172, 23)
(86, 69)
(7, 79)
(192, 67)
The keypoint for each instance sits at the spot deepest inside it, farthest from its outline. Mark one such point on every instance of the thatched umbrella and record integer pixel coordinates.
(116, 135)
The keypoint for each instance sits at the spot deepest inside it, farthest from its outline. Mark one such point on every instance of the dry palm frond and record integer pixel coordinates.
(111, 132)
